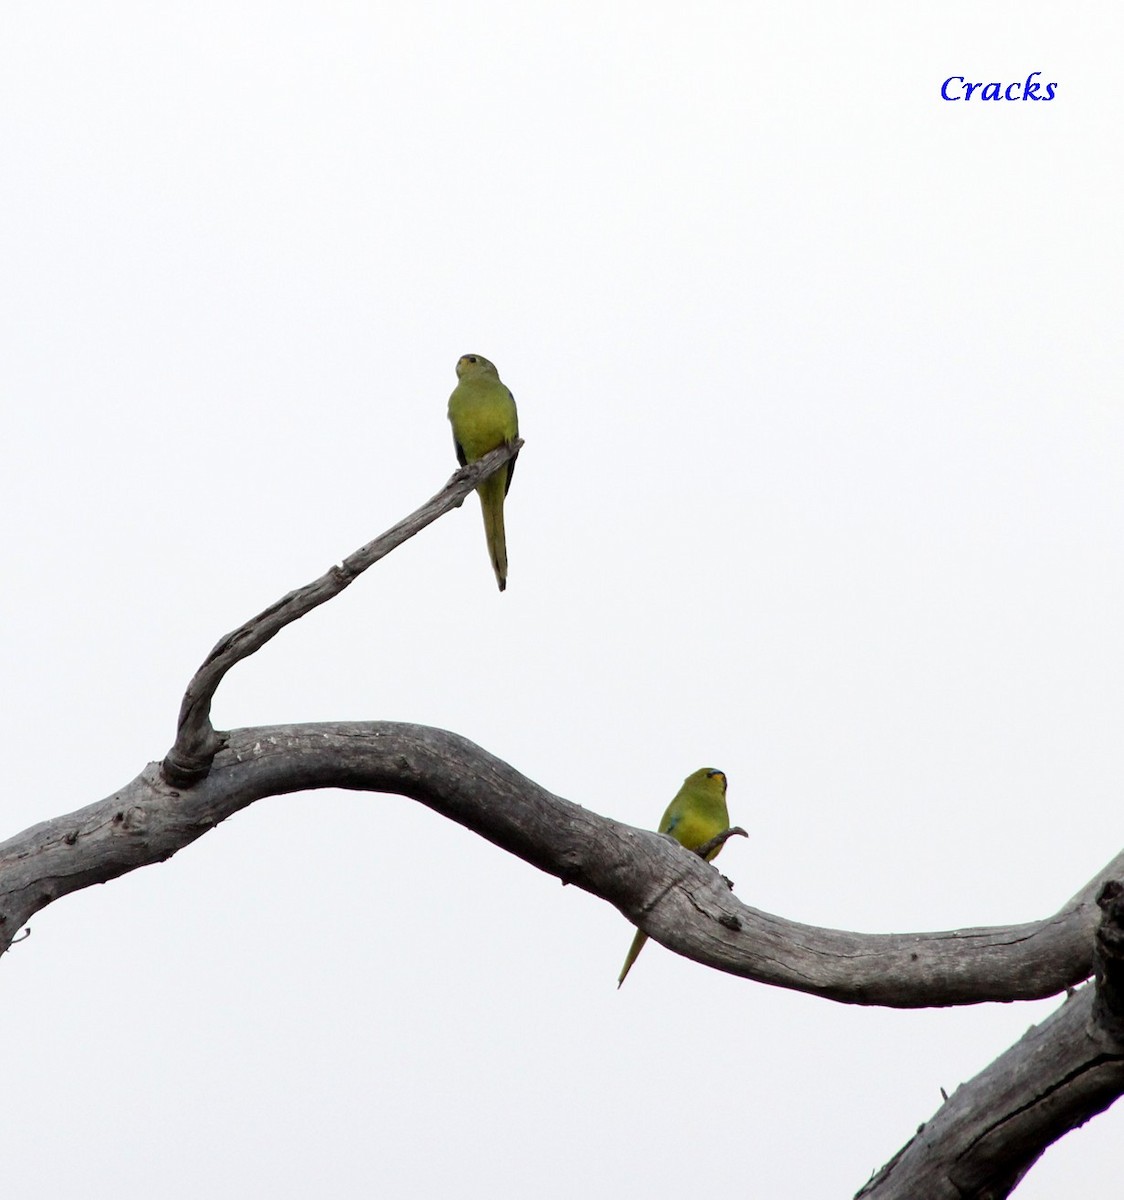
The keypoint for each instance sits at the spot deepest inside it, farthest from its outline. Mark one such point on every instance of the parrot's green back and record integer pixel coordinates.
(697, 814)
(482, 413)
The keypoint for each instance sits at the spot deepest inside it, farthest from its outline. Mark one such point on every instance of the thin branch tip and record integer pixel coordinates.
(708, 849)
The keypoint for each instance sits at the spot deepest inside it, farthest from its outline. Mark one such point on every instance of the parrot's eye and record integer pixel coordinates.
(471, 357)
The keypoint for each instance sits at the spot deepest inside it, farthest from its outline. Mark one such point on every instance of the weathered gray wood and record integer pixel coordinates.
(670, 893)
(197, 741)
(992, 1130)
(978, 1145)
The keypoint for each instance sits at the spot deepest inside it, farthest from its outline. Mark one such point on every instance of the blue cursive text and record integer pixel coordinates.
(956, 84)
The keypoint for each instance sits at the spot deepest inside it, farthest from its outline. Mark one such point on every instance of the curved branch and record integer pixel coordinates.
(668, 892)
(982, 1141)
(197, 742)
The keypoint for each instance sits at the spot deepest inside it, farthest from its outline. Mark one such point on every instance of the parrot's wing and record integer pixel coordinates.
(511, 464)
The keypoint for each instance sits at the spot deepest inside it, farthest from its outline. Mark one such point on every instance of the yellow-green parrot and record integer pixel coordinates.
(697, 814)
(482, 413)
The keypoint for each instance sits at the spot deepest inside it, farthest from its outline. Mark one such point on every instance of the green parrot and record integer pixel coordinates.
(697, 814)
(482, 413)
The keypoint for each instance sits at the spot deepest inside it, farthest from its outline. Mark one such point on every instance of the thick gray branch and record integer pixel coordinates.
(197, 742)
(979, 1144)
(992, 1130)
(670, 893)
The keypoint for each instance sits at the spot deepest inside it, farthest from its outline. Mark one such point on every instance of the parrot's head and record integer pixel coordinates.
(469, 365)
(708, 777)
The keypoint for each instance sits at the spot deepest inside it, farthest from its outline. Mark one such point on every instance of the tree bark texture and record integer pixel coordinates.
(196, 742)
(992, 1130)
(979, 1144)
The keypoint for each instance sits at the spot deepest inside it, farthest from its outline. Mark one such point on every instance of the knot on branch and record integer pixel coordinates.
(187, 767)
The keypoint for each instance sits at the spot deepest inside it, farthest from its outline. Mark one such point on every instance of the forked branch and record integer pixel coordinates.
(991, 1131)
(197, 741)
(978, 1145)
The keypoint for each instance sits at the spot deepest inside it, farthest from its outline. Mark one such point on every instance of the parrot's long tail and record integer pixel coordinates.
(633, 950)
(491, 504)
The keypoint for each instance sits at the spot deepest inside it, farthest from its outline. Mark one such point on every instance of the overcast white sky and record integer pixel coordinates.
(819, 377)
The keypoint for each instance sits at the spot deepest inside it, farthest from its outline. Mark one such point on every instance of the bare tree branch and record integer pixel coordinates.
(197, 742)
(668, 892)
(980, 1143)
(992, 1130)
(719, 840)
(1109, 960)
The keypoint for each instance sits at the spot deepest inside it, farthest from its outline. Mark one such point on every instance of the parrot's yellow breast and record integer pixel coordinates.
(483, 416)
(692, 825)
